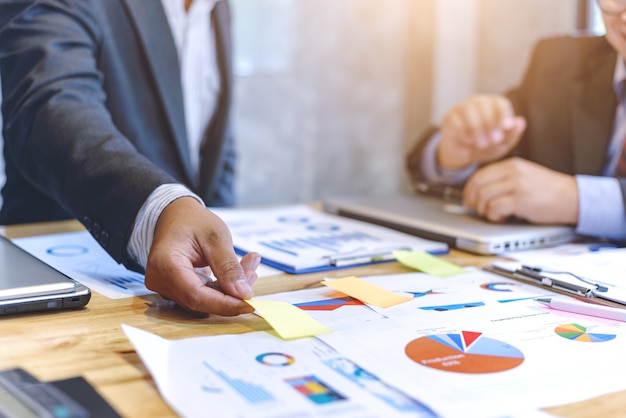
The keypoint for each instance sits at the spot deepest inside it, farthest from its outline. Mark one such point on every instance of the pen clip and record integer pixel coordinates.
(356, 257)
(596, 286)
(531, 274)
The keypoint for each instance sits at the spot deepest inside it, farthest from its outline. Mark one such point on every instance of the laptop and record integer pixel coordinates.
(27, 284)
(443, 220)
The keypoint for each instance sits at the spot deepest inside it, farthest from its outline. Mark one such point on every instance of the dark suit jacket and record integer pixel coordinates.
(93, 113)
(569, 103)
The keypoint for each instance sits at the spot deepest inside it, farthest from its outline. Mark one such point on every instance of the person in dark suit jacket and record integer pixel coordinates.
(546, 151)
(94, 124)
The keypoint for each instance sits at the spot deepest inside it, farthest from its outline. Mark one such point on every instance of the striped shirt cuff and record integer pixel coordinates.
(143, 232)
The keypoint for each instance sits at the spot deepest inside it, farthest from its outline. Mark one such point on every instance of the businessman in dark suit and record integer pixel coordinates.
(94, 129)
(546, 151)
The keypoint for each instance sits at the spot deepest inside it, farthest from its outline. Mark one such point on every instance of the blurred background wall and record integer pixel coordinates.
(331, 94)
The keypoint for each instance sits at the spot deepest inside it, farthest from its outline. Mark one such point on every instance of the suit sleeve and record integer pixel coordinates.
(57, 126)
(414, 159)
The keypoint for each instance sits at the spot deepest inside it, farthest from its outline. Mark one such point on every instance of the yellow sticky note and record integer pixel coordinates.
(289, 321)
(366, 292)
(429, 264)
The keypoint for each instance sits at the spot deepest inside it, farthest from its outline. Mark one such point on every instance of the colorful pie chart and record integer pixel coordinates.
(465, 352)
(584, 334)
(275, 359)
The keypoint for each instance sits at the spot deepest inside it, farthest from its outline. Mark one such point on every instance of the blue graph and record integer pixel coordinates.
(126, 282)
(251, 392)
(452, 307)
(67, 250)
(327, 242)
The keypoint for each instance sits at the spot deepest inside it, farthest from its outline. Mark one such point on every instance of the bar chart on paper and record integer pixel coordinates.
(328, 304)
(465, 352)
(253, 393)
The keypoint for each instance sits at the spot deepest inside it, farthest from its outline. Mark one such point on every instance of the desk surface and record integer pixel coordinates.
(91, 343)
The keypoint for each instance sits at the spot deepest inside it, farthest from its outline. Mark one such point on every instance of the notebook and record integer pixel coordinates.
(441, 220)
(27, 284)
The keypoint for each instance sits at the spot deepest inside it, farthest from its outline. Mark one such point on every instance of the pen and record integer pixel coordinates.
(341, 262)
(440, 190)
(353, 258)
(532, 276)
(584, 308)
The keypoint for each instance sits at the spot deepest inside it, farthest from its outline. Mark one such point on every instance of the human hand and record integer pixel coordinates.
(480, 129)
(188, 236)
(529, 191)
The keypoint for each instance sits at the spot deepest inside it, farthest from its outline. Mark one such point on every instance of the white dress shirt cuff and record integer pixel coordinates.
(145, 223)
(434, 173)
(600, 208)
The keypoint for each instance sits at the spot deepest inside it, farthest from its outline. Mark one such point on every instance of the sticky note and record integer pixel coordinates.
(366, 292)
(287, 320)
(429, 264)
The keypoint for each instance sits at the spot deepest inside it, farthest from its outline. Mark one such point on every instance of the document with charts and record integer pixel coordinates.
(262, 376)
(300, 239)
(491, 360)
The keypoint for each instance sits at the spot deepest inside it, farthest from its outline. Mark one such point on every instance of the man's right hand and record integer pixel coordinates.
(478, 130)
(189, 236)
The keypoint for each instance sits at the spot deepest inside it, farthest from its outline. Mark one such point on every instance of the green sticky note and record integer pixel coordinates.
(429, 264)
(287, 320)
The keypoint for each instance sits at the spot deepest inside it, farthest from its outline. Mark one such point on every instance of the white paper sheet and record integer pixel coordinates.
(258, 375)
(79, 256)
(474, 289)
(328, 306)
(492, 360)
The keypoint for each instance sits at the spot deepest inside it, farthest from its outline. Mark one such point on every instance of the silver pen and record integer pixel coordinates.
(532, 276)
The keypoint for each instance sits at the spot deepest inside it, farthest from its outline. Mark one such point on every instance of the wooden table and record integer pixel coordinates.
(91, 343)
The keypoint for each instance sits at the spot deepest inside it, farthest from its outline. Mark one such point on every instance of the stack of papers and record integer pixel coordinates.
(300, 239)
(472, 342)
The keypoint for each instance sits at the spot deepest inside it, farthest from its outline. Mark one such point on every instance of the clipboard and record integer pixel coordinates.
(583, 291)
(299, 239)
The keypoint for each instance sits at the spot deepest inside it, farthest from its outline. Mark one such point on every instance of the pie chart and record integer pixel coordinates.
(465, 352)
(584, 334)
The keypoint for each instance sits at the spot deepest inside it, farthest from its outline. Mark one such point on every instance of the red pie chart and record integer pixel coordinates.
(465, 352)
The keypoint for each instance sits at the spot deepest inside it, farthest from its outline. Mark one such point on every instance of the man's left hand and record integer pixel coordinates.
(526, 190)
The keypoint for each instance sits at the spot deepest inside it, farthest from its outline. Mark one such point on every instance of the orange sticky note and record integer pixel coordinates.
(366, 292)
(287, 320)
